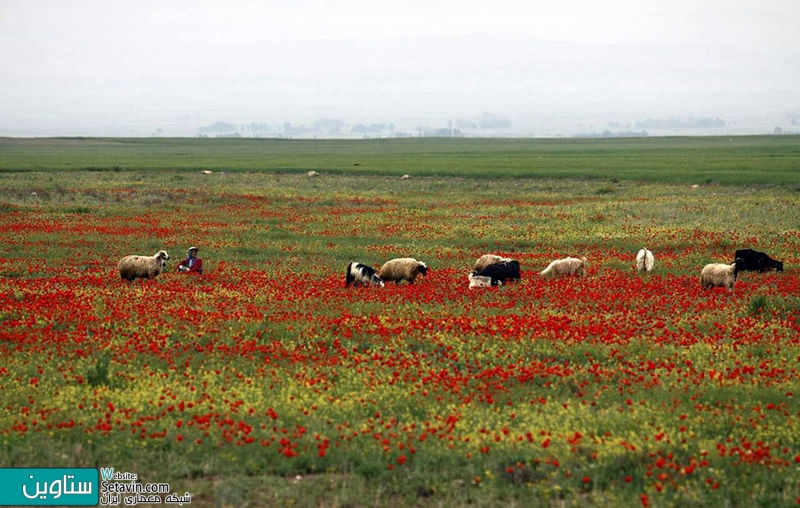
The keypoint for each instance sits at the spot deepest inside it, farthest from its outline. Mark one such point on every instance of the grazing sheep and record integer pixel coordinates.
(145, 267)
(361, 275)
(312, 173)
(502, 271)
(486, 260)
(644, 261)
(482, 281)
(400, 269)
(721, 274)
(758, 261)
(566, 266)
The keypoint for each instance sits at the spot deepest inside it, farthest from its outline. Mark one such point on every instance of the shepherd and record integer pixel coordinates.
(192, 263)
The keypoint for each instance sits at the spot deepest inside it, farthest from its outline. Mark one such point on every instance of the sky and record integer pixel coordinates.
(142, 68)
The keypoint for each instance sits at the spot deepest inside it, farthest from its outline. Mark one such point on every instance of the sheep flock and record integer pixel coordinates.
(493, 270)
(489, 270)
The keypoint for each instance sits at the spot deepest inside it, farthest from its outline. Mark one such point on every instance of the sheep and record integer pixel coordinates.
(400, 269)
(486, 260)
(482, 281)
(145, 267)
(503, 271)
(721, 274)
(566, 266)
(644, 260)
(359, 274)
(760, 261)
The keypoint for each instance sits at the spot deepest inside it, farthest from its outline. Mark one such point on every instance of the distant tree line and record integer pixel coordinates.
(338, 127)
(485, 121)
(612, 134)
(373, 129)
(680, 123)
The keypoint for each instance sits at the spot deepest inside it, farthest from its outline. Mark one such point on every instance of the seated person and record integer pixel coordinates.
(192, 263)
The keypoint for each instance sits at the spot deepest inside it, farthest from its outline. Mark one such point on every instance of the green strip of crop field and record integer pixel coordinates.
(773, 160)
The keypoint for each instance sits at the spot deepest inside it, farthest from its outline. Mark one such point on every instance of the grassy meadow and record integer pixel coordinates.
(266, 382)
(724, 160)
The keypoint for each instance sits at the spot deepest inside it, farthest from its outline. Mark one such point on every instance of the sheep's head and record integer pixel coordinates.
(422, 269)
(162, 258)
(778, 266)
(482, 281)
(738, 265)
(376, 280)
(479, 281)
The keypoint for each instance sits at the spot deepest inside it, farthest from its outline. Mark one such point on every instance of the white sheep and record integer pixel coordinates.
(566, 266)
(482, 281)
(487, 259)
(721, 274)
(400, 269)
(145, 267)
(644, 260)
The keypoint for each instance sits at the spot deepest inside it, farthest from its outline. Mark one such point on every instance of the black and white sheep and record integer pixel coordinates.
(720, 274)
(482, 281)
(566, 266)
(486, 260)
(502, 271)
(644, 260)
(758, 261)
(143, 267)
(359, 274)
(400, 269)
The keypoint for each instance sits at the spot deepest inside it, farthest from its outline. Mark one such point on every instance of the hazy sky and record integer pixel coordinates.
(132, 67)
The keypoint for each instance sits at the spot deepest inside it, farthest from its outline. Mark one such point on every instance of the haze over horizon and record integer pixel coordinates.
(120, 68)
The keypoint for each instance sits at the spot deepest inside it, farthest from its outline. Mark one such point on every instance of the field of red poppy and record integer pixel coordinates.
(266, 381)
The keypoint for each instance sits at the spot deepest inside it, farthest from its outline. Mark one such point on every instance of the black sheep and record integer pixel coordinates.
(758, 261)
(502, 271)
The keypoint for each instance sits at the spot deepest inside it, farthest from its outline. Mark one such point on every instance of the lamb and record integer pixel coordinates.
(566, 266)
(644, 261)
(145, 267)
(359, 274)
(486, 260)
(482, 281)
(400, 269)
(721, 274)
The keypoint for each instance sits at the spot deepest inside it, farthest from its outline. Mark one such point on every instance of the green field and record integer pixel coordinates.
(266, 382)
(725, 160)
